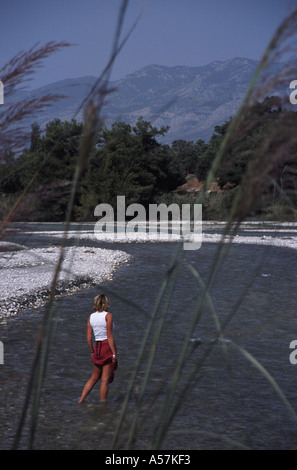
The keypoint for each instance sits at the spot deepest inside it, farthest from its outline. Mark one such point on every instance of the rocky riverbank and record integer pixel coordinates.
(27, 274)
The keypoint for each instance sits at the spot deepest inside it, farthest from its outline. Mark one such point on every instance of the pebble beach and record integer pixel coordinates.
(27, 274)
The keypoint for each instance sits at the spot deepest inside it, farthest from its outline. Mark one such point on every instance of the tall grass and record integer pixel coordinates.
(93, 121)
(256, 177)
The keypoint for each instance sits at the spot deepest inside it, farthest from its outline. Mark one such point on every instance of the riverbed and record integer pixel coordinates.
(242, 392)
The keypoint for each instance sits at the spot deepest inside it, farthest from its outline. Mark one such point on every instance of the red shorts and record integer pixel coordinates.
(102, 355)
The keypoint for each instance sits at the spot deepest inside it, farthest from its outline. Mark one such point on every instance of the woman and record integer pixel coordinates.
(104, 355)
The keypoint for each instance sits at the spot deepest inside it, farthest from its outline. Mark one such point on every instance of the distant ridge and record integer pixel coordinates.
(190, 100)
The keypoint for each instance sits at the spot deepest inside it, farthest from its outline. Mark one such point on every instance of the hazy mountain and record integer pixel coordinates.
(191, 100)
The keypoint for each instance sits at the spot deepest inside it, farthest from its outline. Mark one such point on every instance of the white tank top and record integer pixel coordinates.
(98, 324)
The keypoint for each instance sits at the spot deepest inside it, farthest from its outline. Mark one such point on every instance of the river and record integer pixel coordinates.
(243, 390)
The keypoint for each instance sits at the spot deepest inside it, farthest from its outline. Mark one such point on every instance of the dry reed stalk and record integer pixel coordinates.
(93, 121)
(257, 177)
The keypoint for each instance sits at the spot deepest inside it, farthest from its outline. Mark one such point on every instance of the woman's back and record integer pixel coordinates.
(98, 324)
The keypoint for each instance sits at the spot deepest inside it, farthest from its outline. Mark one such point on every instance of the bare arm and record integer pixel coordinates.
(110, 337)
(89, 336)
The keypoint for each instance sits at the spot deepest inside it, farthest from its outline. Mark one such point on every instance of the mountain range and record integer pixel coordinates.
(190, 100)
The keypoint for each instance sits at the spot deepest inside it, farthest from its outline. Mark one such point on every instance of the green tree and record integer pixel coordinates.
(208, 152)
(35, 137)
(51, 160)
(129, 162)
(257, 133)
(188, 154)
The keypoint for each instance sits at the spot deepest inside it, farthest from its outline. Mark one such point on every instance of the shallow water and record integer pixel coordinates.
(228, 405)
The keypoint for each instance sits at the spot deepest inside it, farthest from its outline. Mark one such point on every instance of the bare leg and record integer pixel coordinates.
(91, 382)
(106, 373)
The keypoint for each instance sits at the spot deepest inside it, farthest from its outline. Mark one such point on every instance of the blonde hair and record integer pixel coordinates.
(101, 303)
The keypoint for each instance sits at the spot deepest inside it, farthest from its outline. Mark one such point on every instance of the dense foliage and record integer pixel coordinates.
(126, 162)
(259, 161)
(130, 161)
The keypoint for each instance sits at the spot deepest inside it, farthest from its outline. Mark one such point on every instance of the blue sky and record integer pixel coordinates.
(169, 32)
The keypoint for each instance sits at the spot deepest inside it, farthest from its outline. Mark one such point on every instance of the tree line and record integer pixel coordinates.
(129, 160)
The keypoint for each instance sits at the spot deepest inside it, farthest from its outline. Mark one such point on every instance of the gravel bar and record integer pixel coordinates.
(27, 274)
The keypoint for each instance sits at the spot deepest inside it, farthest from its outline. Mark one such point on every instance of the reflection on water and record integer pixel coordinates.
(228, 402)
